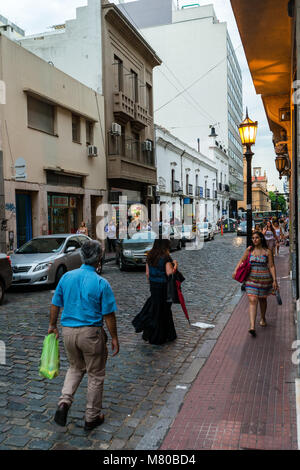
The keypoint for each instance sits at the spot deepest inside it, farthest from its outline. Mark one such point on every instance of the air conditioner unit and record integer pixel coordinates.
(147, 146)
(116, 129)
(149, 191)
(92, 151)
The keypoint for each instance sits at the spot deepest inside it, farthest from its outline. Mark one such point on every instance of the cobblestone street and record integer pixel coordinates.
(139, 380)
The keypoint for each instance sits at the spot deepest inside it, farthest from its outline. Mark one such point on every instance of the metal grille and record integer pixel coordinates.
(21, 269)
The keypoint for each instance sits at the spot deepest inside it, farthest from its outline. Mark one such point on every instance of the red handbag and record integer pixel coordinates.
(243, 270)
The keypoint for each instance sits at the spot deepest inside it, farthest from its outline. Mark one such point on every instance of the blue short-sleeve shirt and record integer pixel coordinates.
(85, 297)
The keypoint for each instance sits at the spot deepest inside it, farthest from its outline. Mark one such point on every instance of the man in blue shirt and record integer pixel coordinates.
(85, 298)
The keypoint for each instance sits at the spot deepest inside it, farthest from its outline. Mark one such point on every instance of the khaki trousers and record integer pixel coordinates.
(87, 352)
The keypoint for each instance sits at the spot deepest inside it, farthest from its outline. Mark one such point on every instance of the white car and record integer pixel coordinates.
(206, 231)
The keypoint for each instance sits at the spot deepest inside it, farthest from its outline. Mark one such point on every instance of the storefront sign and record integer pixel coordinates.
(186, 200)
(60, 201)
(20, 167)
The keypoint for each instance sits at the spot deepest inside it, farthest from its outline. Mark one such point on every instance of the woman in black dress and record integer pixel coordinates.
(155, 319)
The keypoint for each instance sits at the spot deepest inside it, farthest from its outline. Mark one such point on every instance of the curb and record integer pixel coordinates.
(154, 438)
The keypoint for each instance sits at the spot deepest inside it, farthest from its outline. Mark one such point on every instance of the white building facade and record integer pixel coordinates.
(74, 47)
(199, 83)
(188, 180)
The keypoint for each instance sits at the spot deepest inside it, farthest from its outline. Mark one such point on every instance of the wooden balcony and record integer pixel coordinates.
(124, 107)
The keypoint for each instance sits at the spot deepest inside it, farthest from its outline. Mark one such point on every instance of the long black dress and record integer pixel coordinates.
(155, 319)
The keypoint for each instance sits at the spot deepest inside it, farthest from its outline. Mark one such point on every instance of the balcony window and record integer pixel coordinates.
(149, 99)
(118, 64)
(135, 86)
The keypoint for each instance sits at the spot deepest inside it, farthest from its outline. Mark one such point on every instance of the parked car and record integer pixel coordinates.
(242, 228)
(188, 234)
(5, 275)
(44, 259)
(132, 252)
(206, 231)
(229, 225)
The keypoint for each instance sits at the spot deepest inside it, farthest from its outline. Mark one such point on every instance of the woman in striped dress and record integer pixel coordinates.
(261, 281)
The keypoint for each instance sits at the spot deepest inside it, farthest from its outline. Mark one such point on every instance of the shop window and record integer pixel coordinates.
(76, 128)
(40, 115)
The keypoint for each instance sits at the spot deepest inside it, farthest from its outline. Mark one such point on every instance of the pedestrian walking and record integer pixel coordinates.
(261, 281)
(86, 298)
(279, 235)
(155, 319)
(270, 236)
(111, 236)
(83, 229)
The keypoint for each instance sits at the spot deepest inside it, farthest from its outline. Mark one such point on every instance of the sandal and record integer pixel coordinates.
(263, 323)
(252, 333)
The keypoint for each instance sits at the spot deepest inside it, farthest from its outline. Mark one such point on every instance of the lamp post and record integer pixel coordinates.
(248, 131)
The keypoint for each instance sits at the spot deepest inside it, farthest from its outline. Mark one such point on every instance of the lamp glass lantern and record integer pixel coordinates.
(248, 131)
(280, 163)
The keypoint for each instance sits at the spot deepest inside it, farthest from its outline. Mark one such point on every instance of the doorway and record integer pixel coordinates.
(24, 218)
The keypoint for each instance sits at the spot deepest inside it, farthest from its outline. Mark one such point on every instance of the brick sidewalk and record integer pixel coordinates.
(244, 396)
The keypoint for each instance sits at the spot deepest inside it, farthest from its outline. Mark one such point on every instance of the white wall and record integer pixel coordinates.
(77, 50)
(170, 150)
(189, 49)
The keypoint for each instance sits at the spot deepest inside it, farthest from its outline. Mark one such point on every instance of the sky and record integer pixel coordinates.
(35, 16)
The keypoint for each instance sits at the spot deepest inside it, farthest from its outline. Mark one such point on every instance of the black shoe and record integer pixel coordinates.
(61, 414)
(252, 333)
(89, 425)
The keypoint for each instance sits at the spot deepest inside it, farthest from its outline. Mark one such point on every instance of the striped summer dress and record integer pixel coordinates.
(259, 282)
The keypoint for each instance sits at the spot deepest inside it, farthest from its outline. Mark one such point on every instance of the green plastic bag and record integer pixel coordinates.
(49, 365)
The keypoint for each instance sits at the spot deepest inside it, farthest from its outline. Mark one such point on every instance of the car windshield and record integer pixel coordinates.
(144, 236)
(204, 225)
(243, 224)
(42, 245)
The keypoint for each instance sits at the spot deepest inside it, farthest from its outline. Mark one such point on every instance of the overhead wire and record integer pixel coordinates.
(185, 90)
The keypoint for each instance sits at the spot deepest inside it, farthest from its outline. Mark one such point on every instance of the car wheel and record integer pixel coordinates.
(59, 273)
(2, 292)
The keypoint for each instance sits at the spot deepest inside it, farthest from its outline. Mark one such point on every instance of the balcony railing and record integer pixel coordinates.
(124, 107)
(130, 149)
(140, 117)
(199, 191)
(175, 186)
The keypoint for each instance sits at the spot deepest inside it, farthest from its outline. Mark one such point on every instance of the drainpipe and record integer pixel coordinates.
(3, 228)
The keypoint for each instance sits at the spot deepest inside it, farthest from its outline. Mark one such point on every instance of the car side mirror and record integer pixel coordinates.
(70, 249)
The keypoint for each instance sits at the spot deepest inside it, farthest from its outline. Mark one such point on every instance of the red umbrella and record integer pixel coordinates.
(182, 301)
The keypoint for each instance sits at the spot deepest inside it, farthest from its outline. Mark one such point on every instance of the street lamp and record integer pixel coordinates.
(280, 163)
(248, 131)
